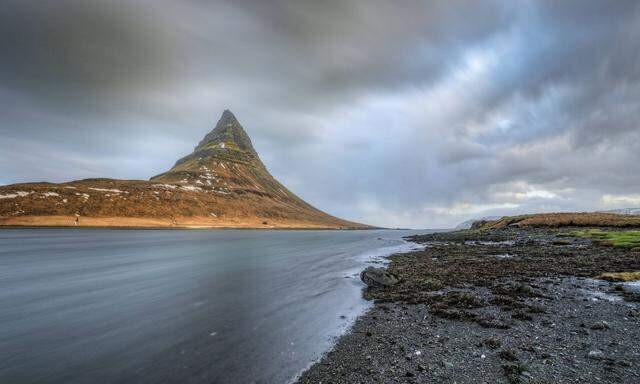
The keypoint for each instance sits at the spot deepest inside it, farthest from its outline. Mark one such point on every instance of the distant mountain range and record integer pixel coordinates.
(623, 211)
(222, 183)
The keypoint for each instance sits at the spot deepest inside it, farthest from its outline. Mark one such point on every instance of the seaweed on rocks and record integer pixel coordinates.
(460, 314)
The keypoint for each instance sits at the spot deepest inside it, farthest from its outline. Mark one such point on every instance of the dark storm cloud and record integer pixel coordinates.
(413, 113)
(73, 48)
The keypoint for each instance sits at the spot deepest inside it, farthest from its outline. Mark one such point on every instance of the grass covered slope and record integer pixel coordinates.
(622, 239)
(145, 204)
(555, 220)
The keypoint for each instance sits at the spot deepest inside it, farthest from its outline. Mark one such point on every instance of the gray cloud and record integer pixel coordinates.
(412, 113)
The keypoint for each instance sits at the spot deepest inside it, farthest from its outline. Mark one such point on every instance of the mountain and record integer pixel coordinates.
(599, 218)
(469, 223)
(562, 219)
(221, 184)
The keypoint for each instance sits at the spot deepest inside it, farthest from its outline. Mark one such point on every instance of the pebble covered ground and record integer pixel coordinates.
(508, 306)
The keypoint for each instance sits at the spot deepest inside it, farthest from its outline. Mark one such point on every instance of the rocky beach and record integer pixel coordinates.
(504, 304)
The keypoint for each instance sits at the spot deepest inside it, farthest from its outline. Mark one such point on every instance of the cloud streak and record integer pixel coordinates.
(419, 114)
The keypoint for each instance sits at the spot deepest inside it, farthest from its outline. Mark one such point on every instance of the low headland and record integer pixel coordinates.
(549, 298)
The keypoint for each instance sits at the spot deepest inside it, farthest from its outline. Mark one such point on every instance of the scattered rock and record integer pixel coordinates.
(475, 313)
(489, 322)
(525, 289)
(509, 355)
(521, 316)
(624, 363)
(378, 277)
(600, 326)
(492, 343)
(453, 314)
(431, 284)
(462, 300)
(513, 372)
(596, 354)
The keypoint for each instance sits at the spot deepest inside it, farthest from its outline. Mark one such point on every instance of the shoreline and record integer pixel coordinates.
(498, 306)
(177, 228)
(236, 285)
(181, 223)
(381, 259)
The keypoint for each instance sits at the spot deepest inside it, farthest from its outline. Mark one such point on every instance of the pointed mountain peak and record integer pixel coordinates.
(228, 119)
(226, 143)
(227, 134)
(227, 114)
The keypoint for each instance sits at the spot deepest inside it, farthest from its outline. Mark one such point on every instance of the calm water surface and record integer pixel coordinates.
(101, 306)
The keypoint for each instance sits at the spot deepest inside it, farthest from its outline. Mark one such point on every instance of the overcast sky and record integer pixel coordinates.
(396, 113)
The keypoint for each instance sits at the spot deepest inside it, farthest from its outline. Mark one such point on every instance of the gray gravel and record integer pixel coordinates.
(587, 333)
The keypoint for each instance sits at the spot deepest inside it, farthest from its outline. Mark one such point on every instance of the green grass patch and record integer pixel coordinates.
(623, 239)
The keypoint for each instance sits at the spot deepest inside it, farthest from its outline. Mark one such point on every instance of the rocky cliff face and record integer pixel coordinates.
(222, 183)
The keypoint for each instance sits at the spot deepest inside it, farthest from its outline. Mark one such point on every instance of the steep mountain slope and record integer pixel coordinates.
(223, 183)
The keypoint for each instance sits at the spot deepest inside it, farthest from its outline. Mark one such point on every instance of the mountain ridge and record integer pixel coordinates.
(221, 184)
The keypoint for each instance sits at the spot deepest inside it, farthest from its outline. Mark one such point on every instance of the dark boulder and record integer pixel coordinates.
(378, 277)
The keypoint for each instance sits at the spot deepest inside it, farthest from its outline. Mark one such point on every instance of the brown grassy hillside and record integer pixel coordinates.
(223, 183)
(562, 220)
